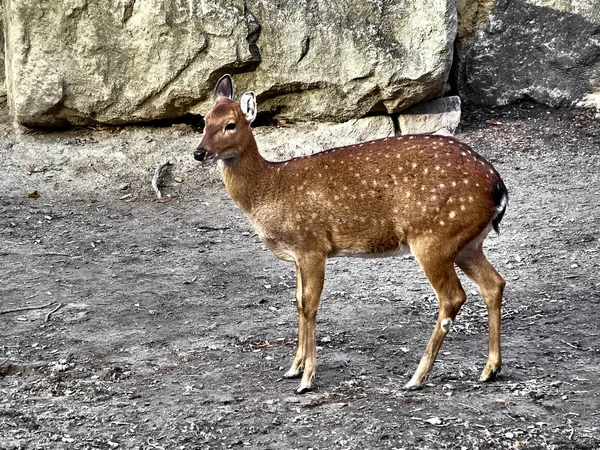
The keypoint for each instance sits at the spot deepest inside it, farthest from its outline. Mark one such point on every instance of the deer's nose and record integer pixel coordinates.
(200, 154)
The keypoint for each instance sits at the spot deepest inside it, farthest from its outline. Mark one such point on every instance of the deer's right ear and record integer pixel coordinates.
(224, 87)
(248, 105)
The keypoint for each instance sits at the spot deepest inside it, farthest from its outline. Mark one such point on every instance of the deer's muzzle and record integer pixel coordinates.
(200, 154)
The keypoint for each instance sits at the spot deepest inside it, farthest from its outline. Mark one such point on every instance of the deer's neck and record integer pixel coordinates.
(247, 177)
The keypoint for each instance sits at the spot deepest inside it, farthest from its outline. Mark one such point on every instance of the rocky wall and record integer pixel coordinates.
(119, 61)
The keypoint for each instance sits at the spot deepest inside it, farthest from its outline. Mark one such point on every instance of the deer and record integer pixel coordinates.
(431, 196)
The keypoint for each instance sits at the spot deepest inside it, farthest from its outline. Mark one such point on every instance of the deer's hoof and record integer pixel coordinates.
(489, 374)
(302, 389)
(290, 374)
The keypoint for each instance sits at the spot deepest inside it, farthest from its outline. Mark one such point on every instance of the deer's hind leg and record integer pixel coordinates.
(441, 274)
(475, 265)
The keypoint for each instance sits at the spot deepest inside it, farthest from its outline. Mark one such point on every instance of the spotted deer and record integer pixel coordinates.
(428, 195)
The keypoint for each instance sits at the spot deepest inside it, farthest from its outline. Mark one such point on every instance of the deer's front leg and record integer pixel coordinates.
(312, 275)
(298, 364)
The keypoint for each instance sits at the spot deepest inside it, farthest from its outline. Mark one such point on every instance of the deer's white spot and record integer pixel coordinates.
(433, 197)
(462, 207)
(395, 210)
(442, 223)
(446, 324)
(426, 170)
(470, 199)
(414, 165)
(463, 153)
(452, 214)
(466, 181)
(442, 185)
(454, 183)
(411, 137)
(407, 194)
(376, 170)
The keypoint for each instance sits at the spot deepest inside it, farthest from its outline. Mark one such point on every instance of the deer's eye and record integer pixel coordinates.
(230, 126)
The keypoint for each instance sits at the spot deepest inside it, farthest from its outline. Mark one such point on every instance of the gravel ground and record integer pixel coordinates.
(167, 324)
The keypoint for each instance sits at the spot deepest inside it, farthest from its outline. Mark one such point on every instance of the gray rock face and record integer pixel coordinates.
(440, 116)
(85, 61)
(277, 144)
(120, 61)
(543, 50)
(334, 61)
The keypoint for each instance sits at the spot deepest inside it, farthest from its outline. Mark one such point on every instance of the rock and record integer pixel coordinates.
(372, 57)
(546, 51)
(2, 76)
(85, 61)
(281, 143)
(123, 62)
(440, 116)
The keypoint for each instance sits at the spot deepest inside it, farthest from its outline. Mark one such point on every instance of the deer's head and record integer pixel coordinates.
(227, 124)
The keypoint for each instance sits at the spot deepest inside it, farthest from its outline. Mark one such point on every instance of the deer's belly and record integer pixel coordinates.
(400, 250)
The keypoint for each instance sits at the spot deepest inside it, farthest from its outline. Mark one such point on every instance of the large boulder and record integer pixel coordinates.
(542, 50)
(119, 61)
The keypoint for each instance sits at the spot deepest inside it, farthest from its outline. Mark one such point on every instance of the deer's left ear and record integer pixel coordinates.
(224, 87)
(248, 105)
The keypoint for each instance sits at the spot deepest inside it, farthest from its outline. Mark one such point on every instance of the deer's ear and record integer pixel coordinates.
(224, 87)
(248, 105)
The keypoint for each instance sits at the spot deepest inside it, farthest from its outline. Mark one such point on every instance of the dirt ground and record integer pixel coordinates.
(168, 325)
